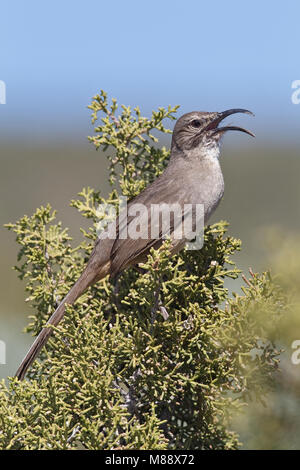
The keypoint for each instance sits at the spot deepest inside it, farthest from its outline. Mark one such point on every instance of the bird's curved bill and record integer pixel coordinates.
(215, 123)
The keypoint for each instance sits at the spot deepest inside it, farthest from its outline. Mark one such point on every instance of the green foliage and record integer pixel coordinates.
(277, 426)
(155, 360)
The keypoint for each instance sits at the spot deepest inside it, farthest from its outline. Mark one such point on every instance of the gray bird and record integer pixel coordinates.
(193, 176)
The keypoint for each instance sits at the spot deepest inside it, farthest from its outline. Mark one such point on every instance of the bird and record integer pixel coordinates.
(193, 175)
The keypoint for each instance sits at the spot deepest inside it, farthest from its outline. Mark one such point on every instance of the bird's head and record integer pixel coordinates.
(198, 128)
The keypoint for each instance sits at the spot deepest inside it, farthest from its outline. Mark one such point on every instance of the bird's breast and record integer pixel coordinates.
(207, 186)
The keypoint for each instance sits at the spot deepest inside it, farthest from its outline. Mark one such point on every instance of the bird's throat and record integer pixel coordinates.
(211, 152)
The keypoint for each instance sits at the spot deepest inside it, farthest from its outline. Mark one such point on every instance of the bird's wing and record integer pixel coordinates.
(126, 250)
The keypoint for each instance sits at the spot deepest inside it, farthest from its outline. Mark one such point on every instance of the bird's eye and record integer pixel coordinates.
(196, 123)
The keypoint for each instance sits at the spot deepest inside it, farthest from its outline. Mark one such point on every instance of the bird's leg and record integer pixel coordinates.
(116, 289)
(155, 304)
(163, 312)
(158, 305)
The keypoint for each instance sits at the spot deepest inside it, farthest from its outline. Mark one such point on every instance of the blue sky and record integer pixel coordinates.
(54, 56)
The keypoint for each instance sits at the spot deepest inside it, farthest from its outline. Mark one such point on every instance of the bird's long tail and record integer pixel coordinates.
(87, 278)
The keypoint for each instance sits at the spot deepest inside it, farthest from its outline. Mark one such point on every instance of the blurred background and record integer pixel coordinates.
(54, 56)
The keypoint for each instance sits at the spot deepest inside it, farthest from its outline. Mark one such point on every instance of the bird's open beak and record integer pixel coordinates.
(214, 124)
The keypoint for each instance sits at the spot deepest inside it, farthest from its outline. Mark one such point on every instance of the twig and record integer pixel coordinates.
(246, 281)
